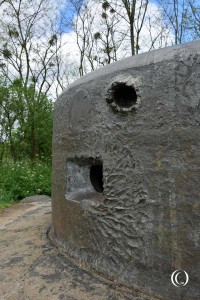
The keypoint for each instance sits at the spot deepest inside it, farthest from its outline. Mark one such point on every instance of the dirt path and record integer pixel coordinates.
(12, 213)
(32, 268)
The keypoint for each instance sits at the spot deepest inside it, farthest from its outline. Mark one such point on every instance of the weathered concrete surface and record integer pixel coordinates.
(146, 223)
(31, 268)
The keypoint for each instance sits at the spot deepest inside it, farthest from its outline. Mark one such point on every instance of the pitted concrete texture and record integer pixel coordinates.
(126, 171)
(32, 268)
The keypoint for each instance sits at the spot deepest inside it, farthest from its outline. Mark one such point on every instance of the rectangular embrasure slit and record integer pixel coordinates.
(84, 179)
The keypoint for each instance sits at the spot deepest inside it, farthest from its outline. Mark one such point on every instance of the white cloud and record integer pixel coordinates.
(153, 29)
(154, 33)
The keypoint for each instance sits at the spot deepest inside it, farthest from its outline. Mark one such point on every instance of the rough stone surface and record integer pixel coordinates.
(36, 198)
(146, 223)
(31, 268)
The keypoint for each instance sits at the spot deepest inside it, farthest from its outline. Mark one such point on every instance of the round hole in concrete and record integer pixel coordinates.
(124, 95)
(96, 177)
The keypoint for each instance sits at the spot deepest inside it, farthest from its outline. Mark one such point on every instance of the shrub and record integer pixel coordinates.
(23, 178)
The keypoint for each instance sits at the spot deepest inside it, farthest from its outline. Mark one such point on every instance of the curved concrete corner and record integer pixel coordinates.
(32, 268)
(126, 171)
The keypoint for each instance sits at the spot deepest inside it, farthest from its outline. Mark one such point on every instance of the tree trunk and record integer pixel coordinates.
(33, 142)
(132, 39)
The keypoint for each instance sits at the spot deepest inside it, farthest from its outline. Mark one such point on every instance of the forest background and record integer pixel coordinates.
(45, 45)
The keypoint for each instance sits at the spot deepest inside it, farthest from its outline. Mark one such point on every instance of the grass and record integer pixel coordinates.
(5, 204)
(21, 179)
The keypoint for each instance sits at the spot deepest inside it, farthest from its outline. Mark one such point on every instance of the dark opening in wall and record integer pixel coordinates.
(96, 177)
(124, 95)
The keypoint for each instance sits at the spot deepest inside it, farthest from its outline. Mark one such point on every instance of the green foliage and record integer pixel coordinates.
(13, 32)
(25, 139)
(6, 53)
(105, 5)
(26, 121)
(5, 204)
(104, 15)
(53, 40)
(97, 35)
(21, 179)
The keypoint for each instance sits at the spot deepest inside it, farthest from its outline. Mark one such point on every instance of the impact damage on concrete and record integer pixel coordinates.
(126, 171)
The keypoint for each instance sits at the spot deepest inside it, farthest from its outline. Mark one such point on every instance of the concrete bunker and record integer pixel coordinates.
(125, 200)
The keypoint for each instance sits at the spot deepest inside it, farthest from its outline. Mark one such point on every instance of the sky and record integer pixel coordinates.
(70, 40)
(70, 51)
